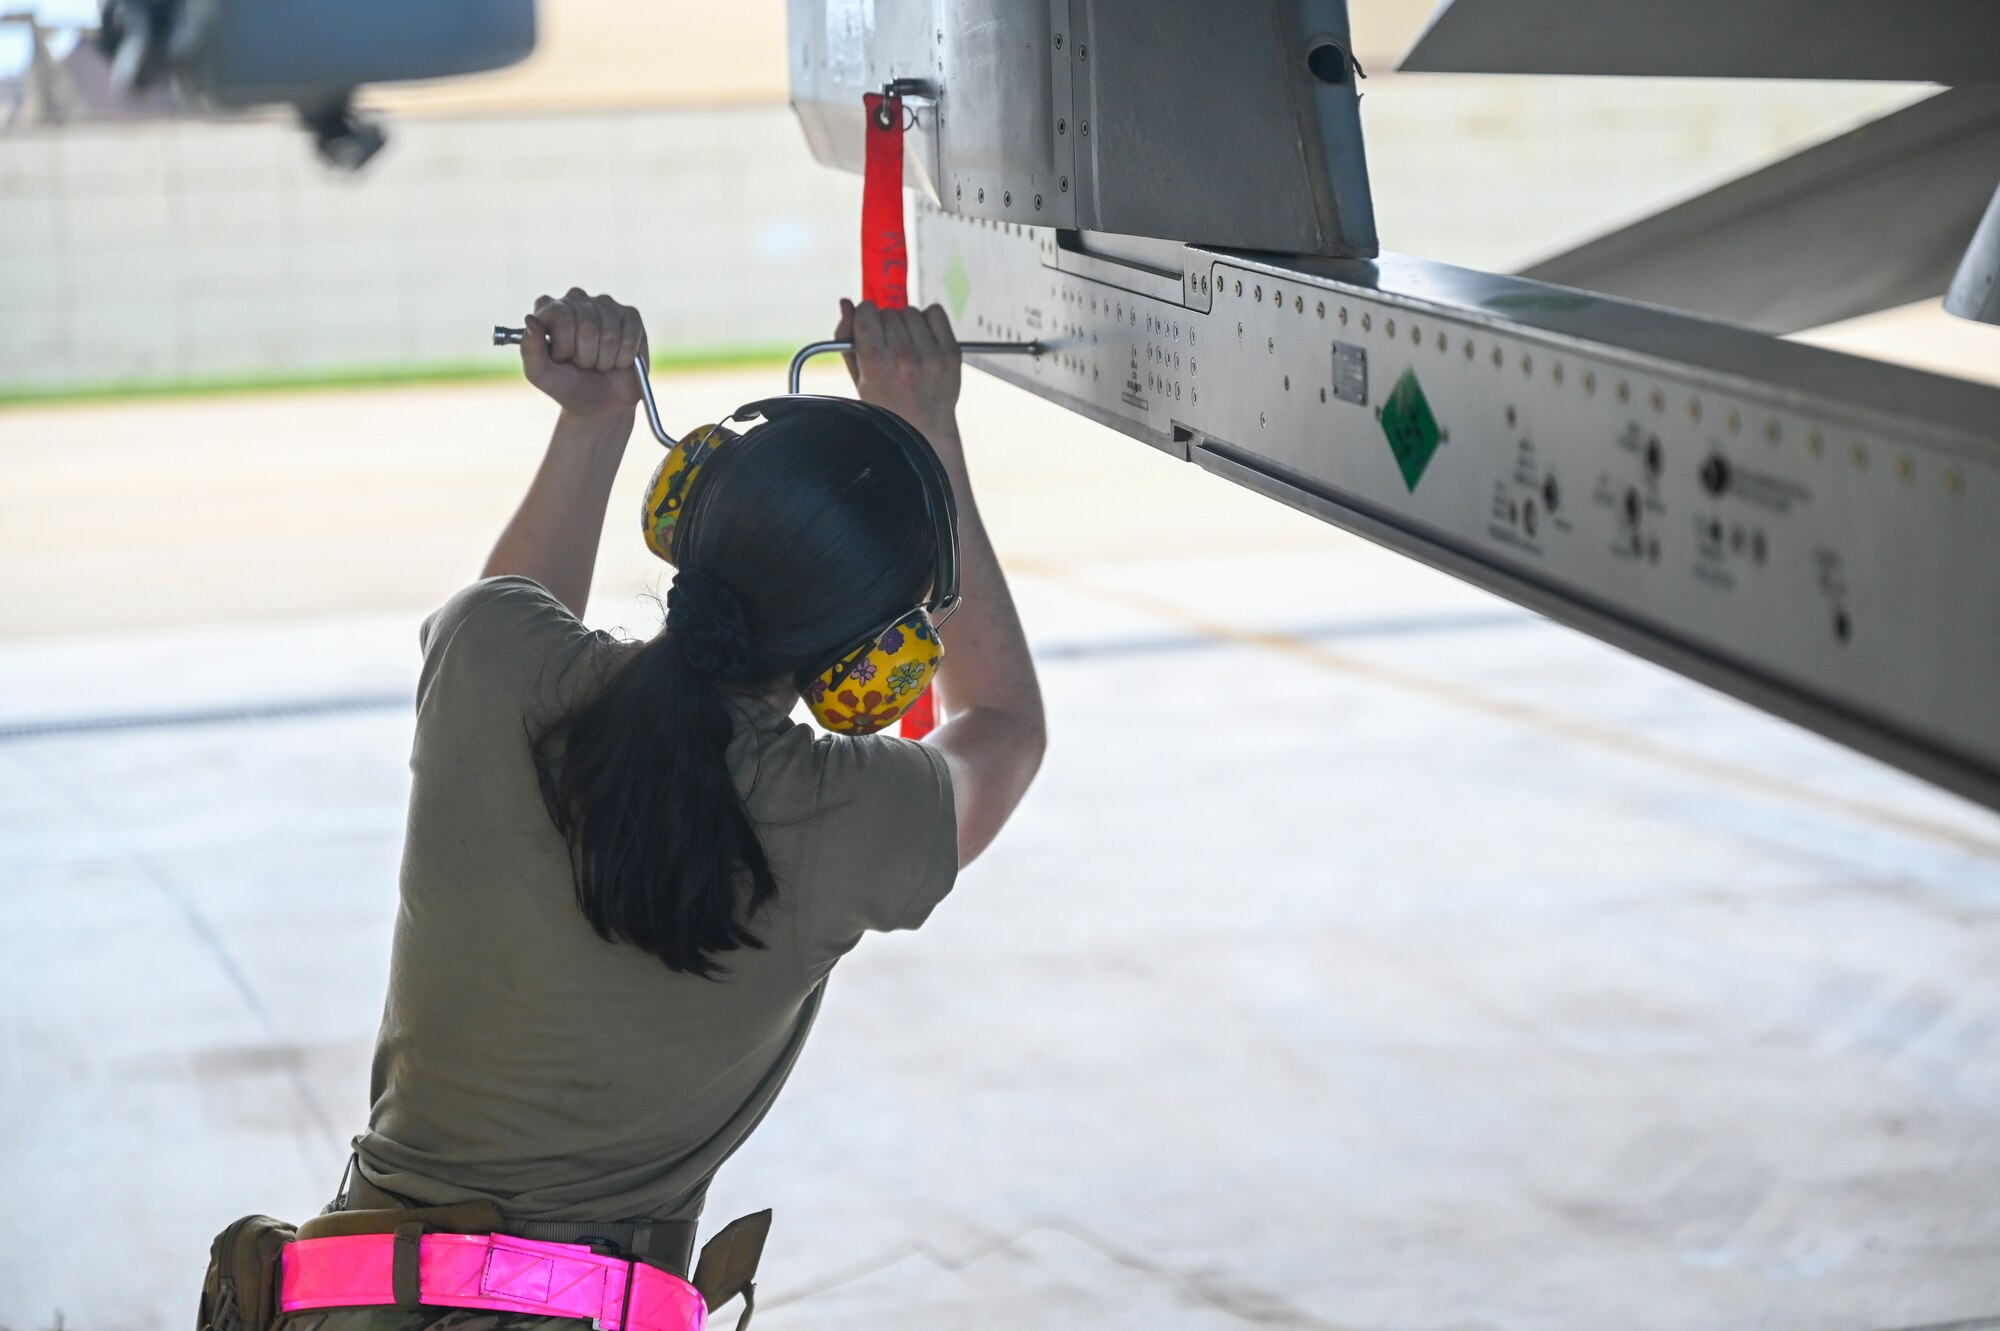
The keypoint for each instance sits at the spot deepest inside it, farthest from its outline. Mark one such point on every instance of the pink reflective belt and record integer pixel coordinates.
(490, 1271)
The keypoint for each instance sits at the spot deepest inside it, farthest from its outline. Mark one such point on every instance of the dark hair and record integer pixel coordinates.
(800, 537)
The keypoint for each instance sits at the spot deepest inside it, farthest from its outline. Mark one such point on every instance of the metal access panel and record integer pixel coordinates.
(250, 52)
(1911, 41)
(1810, 531)
(1233, 124)
(1824, 235)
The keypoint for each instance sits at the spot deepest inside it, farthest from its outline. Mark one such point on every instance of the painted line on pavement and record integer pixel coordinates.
(65, 727)
(1598, 735)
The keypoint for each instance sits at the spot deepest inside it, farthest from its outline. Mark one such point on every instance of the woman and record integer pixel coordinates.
(628, 873)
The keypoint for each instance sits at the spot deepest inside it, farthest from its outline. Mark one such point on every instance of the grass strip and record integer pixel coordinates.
(370, 376)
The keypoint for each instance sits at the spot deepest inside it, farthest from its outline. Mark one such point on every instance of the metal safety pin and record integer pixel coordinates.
(811, 349)
(506, 337)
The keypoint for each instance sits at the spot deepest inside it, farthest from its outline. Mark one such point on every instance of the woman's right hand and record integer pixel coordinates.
(994, 730)
(579, 350)
(905, 360)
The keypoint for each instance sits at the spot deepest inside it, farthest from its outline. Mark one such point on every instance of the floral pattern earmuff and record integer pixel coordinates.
(873, 684)
(873, 681)
(666, 494)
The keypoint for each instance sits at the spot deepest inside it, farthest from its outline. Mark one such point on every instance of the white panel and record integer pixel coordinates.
(1808, 530)
(95, 161)
(715, 222)
(29, 228)
(28, 163)
(230, 155)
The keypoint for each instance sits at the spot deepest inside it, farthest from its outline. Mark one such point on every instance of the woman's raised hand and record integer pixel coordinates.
(906, 360)
(579, 350)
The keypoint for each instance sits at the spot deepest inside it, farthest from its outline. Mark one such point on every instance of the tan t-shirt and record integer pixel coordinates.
(524, 1059)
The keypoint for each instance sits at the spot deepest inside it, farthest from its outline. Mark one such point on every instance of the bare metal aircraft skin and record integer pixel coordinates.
(1805, 530)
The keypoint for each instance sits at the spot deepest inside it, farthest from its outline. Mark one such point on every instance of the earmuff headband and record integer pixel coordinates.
(940, 506)
(877, 676)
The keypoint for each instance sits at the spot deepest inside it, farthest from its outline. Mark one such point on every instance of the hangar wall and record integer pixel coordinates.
(182, 250)
(164, 252)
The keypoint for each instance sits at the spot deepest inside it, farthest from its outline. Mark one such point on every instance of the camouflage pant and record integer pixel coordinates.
(423, 1319)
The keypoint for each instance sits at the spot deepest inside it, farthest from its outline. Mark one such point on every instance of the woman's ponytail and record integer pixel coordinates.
(637, 779)
(805, 533)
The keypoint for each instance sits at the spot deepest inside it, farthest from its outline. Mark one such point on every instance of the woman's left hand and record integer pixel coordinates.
(580, 349)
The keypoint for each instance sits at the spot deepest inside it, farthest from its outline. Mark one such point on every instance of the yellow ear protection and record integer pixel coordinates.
(667, 493)
(873, 680)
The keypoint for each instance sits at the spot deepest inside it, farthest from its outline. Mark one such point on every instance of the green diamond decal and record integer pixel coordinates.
(1413, 432)
(957, 286)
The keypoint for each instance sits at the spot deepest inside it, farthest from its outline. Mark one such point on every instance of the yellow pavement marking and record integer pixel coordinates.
(1609, 738)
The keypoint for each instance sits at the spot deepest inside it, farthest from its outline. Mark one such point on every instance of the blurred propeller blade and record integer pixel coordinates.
(1910, 41)
(1872, 219)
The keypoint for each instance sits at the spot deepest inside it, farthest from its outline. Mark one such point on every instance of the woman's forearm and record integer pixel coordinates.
(994, 732)
(579, 350)
(553, 535)
(987, 664)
